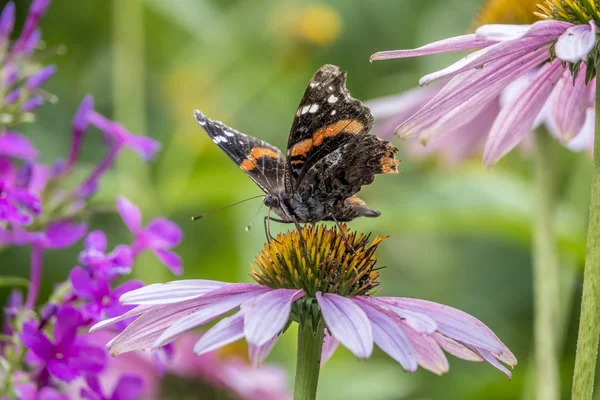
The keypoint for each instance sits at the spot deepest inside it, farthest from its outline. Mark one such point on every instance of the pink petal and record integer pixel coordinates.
(487, 356)
(465, 42)
(388, 334)
(516, 119)
(171, 292)
(129, 387)
(61, 234)
(215, 306)
(257, 354)
(267, 314)
(456, 349)
(139, 310)
(130, 214)
(418, 321)
(551, 29)
(576, 43)
(16, 145)
(569, 104)
(429, 354)
(330, 345)
(466, 95)
(170, 259)
(347, 323)
(584, 140)
(228, 330)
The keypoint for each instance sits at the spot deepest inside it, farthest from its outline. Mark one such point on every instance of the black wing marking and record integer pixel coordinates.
(327, 118)
(262, 162)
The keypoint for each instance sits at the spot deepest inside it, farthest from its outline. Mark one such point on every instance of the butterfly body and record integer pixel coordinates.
(330, 155)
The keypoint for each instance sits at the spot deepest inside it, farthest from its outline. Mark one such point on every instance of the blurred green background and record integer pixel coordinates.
(459, 236)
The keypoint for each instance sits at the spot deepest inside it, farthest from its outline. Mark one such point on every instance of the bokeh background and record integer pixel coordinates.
(459, 235)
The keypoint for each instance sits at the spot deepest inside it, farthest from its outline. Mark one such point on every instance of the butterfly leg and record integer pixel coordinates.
(343, 234)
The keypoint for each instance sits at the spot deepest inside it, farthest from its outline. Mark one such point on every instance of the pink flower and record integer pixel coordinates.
(413, 332)
(507, 52)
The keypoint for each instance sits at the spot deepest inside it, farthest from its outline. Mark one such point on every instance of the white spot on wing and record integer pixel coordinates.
(313, 108)
(333, 112)
(305, 109)
(230, 134)
(332, 99)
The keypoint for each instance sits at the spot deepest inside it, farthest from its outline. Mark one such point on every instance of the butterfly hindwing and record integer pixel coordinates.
(327, 118)
(262, 162)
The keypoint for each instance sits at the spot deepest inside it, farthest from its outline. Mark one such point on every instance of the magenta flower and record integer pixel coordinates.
(28, 391)
(128, 387)
(40, 78)
(7, 21)
(68, 355)
(507, 53)
(413, 332)
(101, 300)
(93, 257)
(159, 236)
(30, 33)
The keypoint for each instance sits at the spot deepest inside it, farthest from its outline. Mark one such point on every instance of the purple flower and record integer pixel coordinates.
(413, 332)
(128, 387)
(40, 78)
(108, 266)
(159, 236)
(12, 97)
(17, 205)
(10, 74)
(68, 355)
(101, 300)
(58, 235)
(36, 11)
(507, 53)
(14, 144)
(7, 21)
(28, 391)
(32, 104)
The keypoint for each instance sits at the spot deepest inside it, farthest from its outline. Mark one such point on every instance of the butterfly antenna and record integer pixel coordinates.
(249, 226)
(223, 208)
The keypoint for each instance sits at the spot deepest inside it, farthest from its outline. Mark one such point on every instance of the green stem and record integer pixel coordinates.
(545, 271)
(308, 362)
(589, 322)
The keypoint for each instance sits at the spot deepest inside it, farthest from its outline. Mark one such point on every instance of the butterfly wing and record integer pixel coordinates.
(330, 138)
(261, 161)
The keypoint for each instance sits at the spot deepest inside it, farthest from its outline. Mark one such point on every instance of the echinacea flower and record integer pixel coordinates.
(309, 280)
(160, 236)
(67, 355)
(554, 52)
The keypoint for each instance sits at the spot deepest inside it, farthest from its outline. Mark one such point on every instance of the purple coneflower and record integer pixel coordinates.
(550, 51)
(324, 286)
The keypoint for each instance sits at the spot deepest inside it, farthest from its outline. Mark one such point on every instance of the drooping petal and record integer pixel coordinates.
(348, 323)
(228, 330)
(428, 352)
(130, 214)
(456, 349)
(465, 42)
(171, 260)
(576, 43)
(330, 345)
(388, 334)
(171, 292)
(584, 140)
(466, 95)
(215, 306)
(257, 354)
(420, 322)
(13, 144)
(516, 119)
(551, 29)
(487, 356)
(569, 105)
(458, 326)
(266, 315)
(134, 312)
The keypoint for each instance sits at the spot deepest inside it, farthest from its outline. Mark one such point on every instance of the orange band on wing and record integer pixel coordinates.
(258, 152)
(342, 126)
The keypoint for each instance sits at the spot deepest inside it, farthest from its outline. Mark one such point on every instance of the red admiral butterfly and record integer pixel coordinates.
(330, 155)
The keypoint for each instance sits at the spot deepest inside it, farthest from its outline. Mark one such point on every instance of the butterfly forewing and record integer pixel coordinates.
(262, 162)
(327, 118)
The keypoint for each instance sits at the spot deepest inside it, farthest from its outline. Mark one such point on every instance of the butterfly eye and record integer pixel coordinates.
(271, 201)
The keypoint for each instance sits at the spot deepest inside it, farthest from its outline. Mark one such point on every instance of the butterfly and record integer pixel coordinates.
(330, 155)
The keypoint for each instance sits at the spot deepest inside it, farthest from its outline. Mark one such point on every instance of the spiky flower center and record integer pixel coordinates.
(507, 12)
(573, 11)
(322, 259)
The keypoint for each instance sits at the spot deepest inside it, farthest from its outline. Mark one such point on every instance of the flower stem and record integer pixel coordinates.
(589, 321)
(545, 271)
(308, 362)
(37, 256)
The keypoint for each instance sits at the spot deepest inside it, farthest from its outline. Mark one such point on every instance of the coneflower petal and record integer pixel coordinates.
(388, 334)
(576, 43)
(266, 315)
(420, 322)
(487, 356)
(226, 331)
(257, 354)
(456, 349)
(464, 42)
(499, 32)
(516, 119)
(429, 353)
(348, 323)
(569, 105)
(330, 345)
(171, 292)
